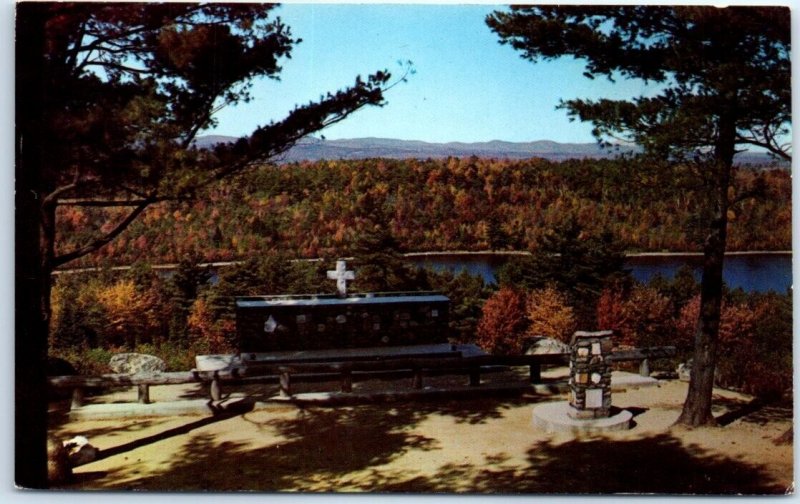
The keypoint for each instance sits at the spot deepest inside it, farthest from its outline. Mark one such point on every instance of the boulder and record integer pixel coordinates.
(79, 451)
(133, 363)
(542, 346)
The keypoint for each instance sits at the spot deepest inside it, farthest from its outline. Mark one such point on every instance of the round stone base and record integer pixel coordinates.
(554, 417)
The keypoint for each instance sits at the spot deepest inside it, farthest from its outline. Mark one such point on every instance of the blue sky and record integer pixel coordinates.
(467, 87)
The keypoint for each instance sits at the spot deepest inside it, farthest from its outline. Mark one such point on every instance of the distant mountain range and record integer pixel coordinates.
(314, 149)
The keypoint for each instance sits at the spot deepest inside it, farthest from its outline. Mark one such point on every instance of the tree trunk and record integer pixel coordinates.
(32, 266)
(32, 318)
(697, 407)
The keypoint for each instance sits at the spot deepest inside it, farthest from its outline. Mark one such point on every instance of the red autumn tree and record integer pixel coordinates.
(640, 318)
(736, 322)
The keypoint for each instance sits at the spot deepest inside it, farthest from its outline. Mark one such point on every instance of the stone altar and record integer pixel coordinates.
(282, 323)
(341, 320)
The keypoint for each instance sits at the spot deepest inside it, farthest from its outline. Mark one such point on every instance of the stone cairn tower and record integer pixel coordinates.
(590, 375)
(588, 409)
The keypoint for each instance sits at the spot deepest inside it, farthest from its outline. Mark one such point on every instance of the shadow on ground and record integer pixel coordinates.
(658, 464)
(758, 410)
(319, 448)
(331, 449)
(61, 428)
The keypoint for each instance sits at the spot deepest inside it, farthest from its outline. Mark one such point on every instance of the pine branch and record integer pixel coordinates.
(117, 203)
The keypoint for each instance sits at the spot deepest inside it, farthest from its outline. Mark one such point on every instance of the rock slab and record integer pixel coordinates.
(80, 451)
(132, 363)
(542, 346)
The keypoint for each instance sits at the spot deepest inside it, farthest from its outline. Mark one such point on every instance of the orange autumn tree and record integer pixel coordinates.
(503, 323)
(214, 333)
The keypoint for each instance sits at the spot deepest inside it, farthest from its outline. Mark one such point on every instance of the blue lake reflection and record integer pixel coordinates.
(753, 273)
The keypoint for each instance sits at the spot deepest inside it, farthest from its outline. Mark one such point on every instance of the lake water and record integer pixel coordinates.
(753, 273)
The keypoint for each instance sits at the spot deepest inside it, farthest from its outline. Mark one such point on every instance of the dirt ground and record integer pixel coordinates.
(484, 445)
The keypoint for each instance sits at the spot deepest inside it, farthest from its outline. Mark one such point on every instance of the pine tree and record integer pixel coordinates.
(725, 81)
(110, 98)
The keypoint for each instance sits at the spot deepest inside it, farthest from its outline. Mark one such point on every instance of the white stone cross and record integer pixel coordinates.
(341, 275)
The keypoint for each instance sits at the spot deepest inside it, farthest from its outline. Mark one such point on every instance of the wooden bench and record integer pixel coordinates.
(472, 366)
(78, 383)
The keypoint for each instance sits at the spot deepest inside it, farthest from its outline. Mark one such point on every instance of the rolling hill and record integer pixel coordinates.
(314, 149)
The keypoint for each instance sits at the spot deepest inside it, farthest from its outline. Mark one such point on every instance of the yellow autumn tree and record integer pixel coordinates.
(550, 315)
(131, 314)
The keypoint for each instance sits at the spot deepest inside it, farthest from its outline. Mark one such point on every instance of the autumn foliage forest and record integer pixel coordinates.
(323, 209)
(578, 218)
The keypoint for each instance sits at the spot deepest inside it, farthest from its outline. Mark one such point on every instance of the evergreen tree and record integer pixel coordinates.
(110, 98)
(574, 263)
(725, 81)
(381, 266)
(467, 294)
(181, 290)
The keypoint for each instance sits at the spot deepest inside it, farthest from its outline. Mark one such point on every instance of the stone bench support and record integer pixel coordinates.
(143, 393)
(285, 384)
(644, 368)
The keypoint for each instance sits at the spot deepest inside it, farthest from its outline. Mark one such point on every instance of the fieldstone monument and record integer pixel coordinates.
(590, 375)
(588, 409)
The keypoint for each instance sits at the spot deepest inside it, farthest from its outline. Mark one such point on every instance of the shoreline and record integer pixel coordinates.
(435, 254)
(627, 254)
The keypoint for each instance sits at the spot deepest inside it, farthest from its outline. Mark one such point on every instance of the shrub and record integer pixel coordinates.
(755, 343)
(86, 361)
(176, 357)
(94, 361)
